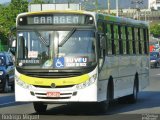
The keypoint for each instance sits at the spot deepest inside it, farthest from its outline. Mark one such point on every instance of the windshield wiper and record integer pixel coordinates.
(67, 37)
(43, 40)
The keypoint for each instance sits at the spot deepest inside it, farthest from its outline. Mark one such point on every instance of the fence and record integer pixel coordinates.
(142, 15)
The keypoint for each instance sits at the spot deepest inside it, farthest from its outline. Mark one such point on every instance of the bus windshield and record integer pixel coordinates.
(56, 49)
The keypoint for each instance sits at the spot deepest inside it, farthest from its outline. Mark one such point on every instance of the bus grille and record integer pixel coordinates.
(53, 97)
(46, 73)
(53, 74)
(64, 86)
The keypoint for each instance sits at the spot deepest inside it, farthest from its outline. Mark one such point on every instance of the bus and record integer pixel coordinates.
(79, 56)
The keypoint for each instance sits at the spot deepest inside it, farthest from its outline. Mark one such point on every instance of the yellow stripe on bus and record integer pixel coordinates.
(58, 81)
(56, 11)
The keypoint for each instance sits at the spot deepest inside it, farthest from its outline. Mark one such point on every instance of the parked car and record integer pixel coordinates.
(154, 59)
(6, 72)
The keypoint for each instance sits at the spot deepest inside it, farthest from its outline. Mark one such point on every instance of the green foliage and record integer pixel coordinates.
(8, 14)
(1, 47)
(155, 30)
(37, 2)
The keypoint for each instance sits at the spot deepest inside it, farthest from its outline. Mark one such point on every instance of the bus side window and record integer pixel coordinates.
(124, 39)
(139, 41)
(136, 40)
(145, 41)
(142, 40)
(116, 39)
(109, 39)
(100, 26)
(133, 41)
(120, 39)
(130, 40)
(112, 39)
(127, 39)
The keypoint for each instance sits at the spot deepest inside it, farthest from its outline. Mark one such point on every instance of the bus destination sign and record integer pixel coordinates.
(55, 19)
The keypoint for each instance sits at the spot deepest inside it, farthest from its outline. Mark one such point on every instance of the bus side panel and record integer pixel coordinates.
(109, 69)
(123, 70)
(127, 72)
(144, 82)
(128, 67)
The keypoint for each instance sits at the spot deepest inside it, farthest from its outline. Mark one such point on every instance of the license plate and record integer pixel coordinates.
(53, 94)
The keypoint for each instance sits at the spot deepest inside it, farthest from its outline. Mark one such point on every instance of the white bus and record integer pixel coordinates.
(79, 56)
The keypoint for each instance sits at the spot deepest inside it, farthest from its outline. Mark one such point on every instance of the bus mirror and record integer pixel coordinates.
(12, 45)
(12, 41)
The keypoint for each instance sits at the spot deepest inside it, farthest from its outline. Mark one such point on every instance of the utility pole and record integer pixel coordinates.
(96, 5)
(117, 8)
(137, 2)
(108, 6)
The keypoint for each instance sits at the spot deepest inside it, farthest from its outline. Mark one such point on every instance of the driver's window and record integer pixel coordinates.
(101, 31)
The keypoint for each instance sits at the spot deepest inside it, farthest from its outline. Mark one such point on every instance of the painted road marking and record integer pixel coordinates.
(7, 103)
(7, 100)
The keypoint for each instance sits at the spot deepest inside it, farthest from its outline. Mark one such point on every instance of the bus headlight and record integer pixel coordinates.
(1, 72)
(22, 84)
(87, 83)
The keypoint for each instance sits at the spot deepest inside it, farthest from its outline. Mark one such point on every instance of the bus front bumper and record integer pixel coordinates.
(54, 95)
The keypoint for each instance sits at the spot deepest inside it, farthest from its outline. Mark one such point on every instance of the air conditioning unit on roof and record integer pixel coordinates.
(43, 7)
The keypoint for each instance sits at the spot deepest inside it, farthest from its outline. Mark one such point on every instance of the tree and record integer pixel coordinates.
(37, 2)
(155, 30)
(8, 16)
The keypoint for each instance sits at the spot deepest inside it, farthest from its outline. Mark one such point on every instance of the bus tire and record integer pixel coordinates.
(39, 107)
(133, 97)
(104, 105)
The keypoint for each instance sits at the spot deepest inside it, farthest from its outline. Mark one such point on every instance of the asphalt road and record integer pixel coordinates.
(146, 108)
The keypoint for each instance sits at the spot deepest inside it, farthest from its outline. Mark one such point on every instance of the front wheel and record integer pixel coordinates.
(39, 107)
(104, 105)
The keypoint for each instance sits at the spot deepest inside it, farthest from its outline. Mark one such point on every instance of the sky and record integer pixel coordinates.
(122, 3)
(4, 1)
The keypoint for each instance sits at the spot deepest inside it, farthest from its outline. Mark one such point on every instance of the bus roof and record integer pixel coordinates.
(97, 16)
(121, 20)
